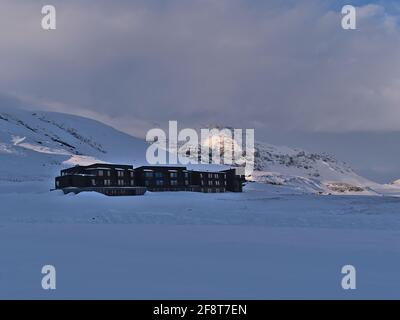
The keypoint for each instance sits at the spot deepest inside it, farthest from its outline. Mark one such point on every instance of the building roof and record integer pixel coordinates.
(169, 167)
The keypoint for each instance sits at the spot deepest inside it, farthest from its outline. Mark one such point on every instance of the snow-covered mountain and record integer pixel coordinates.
(34, 146)
(311, 171)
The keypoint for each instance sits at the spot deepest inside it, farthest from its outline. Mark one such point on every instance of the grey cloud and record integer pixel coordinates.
(287, 66)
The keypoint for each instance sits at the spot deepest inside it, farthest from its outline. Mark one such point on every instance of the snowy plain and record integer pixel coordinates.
(277, 239)
(265, 243)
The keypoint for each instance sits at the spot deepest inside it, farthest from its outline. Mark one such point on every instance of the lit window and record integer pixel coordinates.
(120, 173)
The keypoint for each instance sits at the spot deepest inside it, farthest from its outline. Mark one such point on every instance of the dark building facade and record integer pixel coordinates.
(158, 178)
(118, 180)
(109, 179)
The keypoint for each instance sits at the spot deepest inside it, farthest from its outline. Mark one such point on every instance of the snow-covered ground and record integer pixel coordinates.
(284, 237)
(265, 243)
(34, 146)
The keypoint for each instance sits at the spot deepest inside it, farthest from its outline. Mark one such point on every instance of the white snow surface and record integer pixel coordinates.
(279, 239)
(264, 243)
(36, 145)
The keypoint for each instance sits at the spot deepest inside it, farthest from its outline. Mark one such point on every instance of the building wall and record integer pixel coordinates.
(157, 178)
(154, 178)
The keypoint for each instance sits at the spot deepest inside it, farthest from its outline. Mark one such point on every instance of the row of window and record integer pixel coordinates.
(159, 182)
(120, 182)
(107, 173)
(162, 182)
(212, 175)
(211, 182)
(149, 174)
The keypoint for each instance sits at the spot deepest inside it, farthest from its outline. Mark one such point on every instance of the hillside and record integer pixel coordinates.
(34, 146)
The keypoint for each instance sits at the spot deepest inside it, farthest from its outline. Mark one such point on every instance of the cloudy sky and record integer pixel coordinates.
(285, 68)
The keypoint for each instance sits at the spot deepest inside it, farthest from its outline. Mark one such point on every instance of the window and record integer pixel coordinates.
(107, 182)
(120, 173)
(216, 175)
(93, 182)
(201, 175)
(148, 174)
(147, 183)
(120, 182)
(210, 183)
(210, 176)
(186, 175)
(174, 182)
(159, 175)
(217, 183)
(225, 182)
(186, 182)
(100, 173)
(209, 190)
(160, 182)
(173, 174)
(202, 182)
(57, 183)
(132, 182)
(108, 173)
(131, 173)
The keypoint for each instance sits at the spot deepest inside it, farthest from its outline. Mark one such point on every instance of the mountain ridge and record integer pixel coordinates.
(35, 145)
